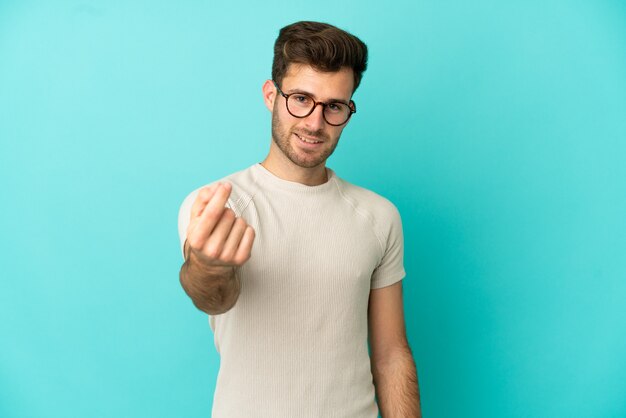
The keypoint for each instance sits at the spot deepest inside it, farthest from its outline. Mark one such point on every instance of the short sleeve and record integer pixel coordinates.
(391, 267)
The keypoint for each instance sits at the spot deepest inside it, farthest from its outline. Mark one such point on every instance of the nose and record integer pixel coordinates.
(315, 120)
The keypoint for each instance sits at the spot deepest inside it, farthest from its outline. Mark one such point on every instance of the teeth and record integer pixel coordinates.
(308, 141)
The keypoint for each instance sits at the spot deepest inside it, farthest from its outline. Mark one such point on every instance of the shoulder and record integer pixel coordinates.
(379, 212)
(370, 203)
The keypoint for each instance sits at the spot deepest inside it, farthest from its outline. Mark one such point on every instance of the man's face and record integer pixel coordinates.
(290, 134)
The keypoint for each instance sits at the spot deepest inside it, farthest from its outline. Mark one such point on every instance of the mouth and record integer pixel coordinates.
(308, 140)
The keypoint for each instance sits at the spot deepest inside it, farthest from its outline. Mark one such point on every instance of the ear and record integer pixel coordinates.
(269, 94)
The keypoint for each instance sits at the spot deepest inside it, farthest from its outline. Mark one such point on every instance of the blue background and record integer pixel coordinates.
(498, 129)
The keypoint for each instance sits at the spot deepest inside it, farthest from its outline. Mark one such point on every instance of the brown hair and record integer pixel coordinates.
(320, 45)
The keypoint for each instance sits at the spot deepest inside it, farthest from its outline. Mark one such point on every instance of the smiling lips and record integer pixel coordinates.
(306, 140)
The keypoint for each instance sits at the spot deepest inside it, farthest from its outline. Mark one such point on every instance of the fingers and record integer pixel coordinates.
(216, 241)
(204, 195)
(215, 206)
(215, 232)
(233, 240)
(201, 229)
(245, 247)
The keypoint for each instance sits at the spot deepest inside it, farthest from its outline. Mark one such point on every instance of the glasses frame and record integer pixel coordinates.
(351, 106)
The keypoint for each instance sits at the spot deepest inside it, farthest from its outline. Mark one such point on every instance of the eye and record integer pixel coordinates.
(336, 107)
(301, 99)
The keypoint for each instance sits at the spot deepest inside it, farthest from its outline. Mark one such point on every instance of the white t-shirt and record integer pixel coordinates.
(295, 343)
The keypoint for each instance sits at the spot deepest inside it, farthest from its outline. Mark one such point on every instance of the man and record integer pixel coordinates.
(292, 318)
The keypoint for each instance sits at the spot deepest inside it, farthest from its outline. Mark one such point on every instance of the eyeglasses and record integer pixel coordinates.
(301, 105)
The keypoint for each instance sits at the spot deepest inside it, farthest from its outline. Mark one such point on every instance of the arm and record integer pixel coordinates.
(393, 367)
(213, 290)
(217, 242)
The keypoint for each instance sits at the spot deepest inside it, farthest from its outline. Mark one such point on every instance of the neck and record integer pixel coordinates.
(313, 176)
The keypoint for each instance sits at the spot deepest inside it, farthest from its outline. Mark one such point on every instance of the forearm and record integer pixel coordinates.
(397, 390)
(213, 290)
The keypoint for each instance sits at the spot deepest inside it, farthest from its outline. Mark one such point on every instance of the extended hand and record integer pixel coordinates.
(216, 236)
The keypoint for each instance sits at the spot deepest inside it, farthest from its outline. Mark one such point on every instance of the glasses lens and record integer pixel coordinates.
(300, 105)
(336, 113)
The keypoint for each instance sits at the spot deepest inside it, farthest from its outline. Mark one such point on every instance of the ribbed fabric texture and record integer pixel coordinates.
(295, 343)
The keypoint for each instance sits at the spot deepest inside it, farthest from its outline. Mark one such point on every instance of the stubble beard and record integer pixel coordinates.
(282, 138)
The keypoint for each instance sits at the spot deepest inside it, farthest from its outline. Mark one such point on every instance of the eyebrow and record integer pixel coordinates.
(294, 91)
